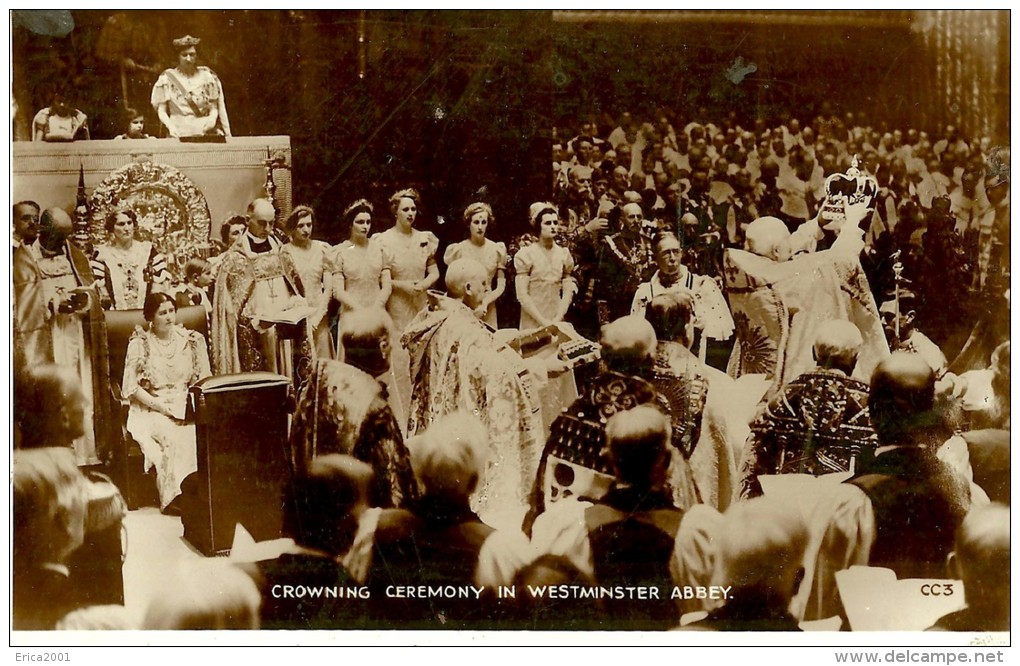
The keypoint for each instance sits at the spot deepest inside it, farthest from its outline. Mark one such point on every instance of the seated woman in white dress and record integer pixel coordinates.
(162, 363)
(477, 218)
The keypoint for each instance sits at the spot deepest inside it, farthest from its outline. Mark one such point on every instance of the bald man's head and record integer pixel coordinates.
(768, 237)
(55, 227)
(628, 344)
(261, 217)
(902, 396)
(638, 440)
(467, 281)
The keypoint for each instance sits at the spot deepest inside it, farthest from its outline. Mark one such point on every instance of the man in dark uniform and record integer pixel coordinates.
(613, 257)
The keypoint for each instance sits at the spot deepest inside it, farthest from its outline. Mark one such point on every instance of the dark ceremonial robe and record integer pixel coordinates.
(818, 424)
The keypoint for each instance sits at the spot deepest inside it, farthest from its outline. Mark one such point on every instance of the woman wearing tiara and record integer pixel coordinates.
(135, 266)
(491, 255)
(189, 98)
(314, 262)
(361, 277)
(410, 255)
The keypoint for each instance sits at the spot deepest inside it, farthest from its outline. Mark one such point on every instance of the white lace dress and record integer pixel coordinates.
(166, 370)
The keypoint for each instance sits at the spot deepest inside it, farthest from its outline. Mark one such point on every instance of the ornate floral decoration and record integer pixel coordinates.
(757, 350)
(172, 211)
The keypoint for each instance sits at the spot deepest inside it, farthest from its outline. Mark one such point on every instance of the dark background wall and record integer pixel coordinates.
(449, 102)
(462, 104)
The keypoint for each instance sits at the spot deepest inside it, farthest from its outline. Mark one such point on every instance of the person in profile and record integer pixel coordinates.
(440, 542)
(980, 559)
(629, 535)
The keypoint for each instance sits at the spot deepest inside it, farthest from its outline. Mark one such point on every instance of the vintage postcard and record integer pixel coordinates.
(530, 327)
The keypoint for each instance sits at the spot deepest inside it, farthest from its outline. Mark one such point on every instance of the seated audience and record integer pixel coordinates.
(50, 408)
(205, 594)
(631, 535)
(321, 516)
(903, 506)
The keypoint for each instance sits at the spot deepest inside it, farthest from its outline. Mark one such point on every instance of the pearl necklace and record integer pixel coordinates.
(169, 351)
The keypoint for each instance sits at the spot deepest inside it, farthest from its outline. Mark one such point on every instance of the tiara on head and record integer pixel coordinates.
(537, 209)
(407, 193)
(360, 203)
(187, 41)
(478, 207)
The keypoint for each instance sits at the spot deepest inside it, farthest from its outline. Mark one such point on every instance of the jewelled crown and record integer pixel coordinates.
(854, 185)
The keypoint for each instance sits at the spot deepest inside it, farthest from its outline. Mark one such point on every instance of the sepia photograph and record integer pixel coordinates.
(511, 327)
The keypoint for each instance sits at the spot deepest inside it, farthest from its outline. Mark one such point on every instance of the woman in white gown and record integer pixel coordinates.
(545, 283)
(162, 363)
(545, 287)
(491, 255)
(410, 255)
(314, 262)
(361, 277)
